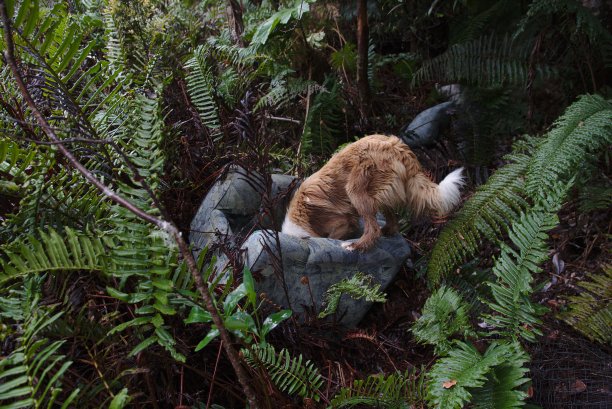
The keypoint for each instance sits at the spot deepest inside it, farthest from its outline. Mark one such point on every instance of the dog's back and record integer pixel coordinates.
(375, 173)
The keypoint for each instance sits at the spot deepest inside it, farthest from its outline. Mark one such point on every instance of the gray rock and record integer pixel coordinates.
(310, 266)
(426, 126)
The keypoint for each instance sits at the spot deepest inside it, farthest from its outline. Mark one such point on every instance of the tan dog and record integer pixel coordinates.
(376, 173)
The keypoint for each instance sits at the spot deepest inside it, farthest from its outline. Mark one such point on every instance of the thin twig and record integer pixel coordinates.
(167, 226)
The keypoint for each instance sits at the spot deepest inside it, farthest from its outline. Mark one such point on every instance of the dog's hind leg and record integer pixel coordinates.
(364, 203)
(391, 226)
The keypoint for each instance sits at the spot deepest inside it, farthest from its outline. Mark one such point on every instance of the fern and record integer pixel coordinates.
(356, 287)
(555, 158)
(444, 315)
(201, 85)
(324, 122)
(584, 128)
(514, 313)
(31, 375)
(52, 252)
(288, 374)
(585, 21)
(487, 214)
(397, 390)
(486, 61)
(493, 377)
(590, 312)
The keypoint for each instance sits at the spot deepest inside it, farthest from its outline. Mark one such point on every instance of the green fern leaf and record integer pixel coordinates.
(397, 390)
(486, 61)
(591, 311)
(53, 252)
(356, 287)
(486, 214)
(288, 374)
(324, 124)
(444, 315)
(454, 379)
(201, 84)
(31, 375)
(502, 390)
(585, 127)
(514, 313)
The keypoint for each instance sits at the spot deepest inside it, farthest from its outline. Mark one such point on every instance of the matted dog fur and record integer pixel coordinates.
(376, 173)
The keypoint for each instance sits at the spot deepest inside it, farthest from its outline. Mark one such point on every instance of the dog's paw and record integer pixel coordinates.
(347, 245)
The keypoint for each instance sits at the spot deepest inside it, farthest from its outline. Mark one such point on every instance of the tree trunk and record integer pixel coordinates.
(363, 34)
(233, 11)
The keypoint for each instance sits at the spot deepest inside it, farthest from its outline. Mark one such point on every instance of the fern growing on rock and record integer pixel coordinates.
(360, 286)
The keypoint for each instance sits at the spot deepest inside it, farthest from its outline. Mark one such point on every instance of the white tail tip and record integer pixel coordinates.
(449, 189)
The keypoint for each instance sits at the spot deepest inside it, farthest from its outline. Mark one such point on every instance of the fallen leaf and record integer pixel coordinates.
(530, 392)
(578, 386)
(449, 384)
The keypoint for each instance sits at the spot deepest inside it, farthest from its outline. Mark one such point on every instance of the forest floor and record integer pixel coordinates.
(563, 360)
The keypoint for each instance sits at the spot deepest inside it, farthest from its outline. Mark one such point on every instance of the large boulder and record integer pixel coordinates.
(293, 272)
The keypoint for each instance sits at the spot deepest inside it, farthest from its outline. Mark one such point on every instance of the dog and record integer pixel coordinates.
(375, 173)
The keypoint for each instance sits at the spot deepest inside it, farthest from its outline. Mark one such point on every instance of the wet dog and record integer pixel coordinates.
(376, 173)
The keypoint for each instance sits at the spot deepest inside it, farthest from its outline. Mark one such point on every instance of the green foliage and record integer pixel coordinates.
(583, 129)
(357, 287)
(52, 252)
(201, 85)
(583, 19)
(465, 373)
(239, 319)
(513, 312)
(590, 312)
(488, 213)
(283, 16)
(398, 390)
(287, 373)
(324, 122)
(31, 376)
(485, 61)
(444, 315)
(552, 159)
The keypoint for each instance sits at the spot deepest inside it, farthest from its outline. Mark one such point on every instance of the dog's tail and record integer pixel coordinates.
(425, 195)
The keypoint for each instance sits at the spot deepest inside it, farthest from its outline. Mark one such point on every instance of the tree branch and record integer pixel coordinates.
(167, 226)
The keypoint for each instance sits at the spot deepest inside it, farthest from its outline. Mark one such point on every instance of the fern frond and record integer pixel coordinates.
(14, 160)
(31, 375)
(397, 390)
(454, 379)
(486, 214)
(288, 374)
(591, 311)
(503, 388)
(584, 128)
(514, 313)
(444, 315)
(486, 61)
(201, 85)
(357, 287)
(585, 21)
(53, 252)
(595, 197)
(324, 124)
